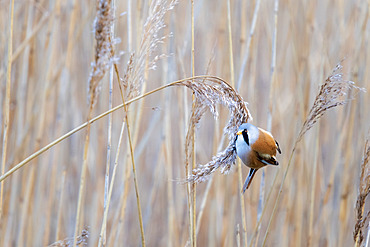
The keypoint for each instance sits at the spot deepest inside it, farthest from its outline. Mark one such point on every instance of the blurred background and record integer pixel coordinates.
(53, 48)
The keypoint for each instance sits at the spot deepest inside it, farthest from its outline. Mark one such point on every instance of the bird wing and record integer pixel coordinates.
(267, 159)
(278, 147)
(266, 146)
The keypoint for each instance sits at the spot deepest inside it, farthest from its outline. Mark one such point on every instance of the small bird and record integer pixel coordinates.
(256, 148)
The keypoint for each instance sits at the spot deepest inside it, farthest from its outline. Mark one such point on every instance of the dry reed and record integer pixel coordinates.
(191, 188)
(362, 218)
(51, 62)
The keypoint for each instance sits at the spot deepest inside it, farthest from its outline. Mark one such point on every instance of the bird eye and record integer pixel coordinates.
(245, 136)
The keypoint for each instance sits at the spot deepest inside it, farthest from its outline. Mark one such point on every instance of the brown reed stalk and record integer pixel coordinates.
(191, 188)
(242, 204)
(136, 73)
(333, 92)
(79, 219)
(249, 41)
(6, 108)
(123, 200)
(167, 149)
(182, 82)
(362, 218)
(257, 228)
(110, 190)
(75, 130)
(60, 205)
(102, 62)
(239, 170)
(169, 172)
(26, 42)
(271, 108)
(313, 187)
(103, 234)
(209, 183)
(273, 66)
(133, 165)
(135, 179)
(71, 28)
(133, 81)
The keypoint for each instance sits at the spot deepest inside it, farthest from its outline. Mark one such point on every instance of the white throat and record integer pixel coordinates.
(242, 148)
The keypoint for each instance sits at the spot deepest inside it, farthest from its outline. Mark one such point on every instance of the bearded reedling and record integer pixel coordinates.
(256, 148)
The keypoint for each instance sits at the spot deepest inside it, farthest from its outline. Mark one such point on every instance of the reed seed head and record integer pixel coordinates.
(333, 92)
(143, 60)
(103, 48)
(210, 91)
(364, 190)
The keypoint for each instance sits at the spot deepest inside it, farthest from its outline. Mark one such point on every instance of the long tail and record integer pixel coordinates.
(249, 179)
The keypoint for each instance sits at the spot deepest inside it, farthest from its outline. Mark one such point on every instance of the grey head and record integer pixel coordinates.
(250, 133)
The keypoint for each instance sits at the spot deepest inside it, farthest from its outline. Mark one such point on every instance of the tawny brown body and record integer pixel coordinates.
(264, 148)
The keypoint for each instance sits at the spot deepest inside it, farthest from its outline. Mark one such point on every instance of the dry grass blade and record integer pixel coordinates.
(208, 93)
(364, 190)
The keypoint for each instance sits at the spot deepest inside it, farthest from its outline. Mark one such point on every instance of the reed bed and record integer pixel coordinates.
(104, 105)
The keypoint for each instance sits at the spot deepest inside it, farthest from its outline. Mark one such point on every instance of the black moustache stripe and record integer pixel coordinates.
(245, 136)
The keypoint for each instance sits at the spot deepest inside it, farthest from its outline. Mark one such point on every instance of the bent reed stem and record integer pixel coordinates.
(82, 126)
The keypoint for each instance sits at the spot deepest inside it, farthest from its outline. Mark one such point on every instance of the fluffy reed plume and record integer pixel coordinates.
(142, 60)
(103, 49)
(81, 240)
(208, 92)
(332, 93)
(364, 190)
